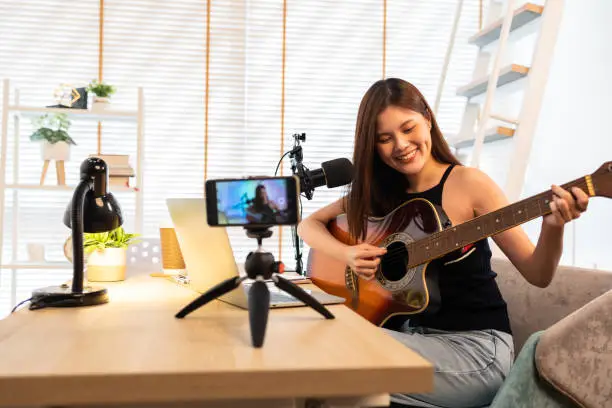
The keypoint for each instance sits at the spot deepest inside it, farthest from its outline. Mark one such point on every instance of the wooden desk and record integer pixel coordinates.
(133, 351)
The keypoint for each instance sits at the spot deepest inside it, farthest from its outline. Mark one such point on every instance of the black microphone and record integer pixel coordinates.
(333, 173)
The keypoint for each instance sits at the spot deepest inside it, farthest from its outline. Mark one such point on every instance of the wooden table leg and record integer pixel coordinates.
(44, 172)
(61, 173)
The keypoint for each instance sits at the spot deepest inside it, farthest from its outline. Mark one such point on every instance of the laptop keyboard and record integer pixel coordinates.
(280, 297)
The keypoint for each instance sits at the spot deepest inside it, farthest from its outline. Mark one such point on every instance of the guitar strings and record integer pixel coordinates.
(399, 253)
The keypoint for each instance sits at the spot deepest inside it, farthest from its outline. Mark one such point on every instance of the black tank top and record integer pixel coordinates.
(470, 297)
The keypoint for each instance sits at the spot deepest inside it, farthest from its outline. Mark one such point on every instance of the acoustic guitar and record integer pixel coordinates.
(416, 233)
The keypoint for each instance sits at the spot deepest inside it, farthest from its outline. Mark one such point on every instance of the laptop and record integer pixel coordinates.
(209, 258)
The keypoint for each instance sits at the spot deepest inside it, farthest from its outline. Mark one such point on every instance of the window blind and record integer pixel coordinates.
(333, 51)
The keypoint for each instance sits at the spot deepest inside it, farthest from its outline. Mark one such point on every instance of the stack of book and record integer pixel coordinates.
(119, 169)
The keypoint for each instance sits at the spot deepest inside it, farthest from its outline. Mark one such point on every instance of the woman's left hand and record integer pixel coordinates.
(565, 206)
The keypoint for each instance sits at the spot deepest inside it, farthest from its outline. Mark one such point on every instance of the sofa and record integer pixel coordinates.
(563, 339)
(532, 309)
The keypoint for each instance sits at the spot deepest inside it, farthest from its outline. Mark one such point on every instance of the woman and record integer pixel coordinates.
(400, 154)
(262, 209)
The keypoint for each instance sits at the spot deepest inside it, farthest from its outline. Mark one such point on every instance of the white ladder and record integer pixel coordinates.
(475, 130)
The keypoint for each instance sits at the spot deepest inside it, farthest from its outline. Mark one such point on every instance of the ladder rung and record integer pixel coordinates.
(492, 135)
(521, 16)
(504, 118)
(508, 74)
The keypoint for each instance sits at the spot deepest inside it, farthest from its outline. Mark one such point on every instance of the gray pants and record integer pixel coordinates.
(469, 366)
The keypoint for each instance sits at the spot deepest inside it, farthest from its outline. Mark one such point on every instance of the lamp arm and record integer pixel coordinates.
(78, 206)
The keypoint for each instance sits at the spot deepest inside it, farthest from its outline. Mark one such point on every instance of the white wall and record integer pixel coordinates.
(574, 136)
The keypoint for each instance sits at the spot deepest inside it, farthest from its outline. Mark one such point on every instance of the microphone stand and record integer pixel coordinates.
(298, 169)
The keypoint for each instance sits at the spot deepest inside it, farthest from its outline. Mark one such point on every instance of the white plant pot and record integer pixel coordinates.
(107, 265)
(100, 104)
(36, 252)
(55, 151)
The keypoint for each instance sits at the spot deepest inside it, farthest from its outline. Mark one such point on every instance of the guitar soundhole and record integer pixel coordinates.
(393, 263)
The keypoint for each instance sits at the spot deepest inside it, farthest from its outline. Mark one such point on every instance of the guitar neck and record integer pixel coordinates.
(453, 238)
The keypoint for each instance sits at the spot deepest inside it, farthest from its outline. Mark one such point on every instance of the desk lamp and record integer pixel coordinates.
(92, 209)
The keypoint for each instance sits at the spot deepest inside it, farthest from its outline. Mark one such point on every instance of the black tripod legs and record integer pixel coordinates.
(259, 305)
(299, 293)
(258, 302)
(213, 293)
(259, 308)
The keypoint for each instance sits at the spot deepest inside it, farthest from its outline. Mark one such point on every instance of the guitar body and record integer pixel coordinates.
(397, 288)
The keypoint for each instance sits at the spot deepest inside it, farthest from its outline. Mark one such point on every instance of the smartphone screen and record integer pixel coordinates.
(260, 201)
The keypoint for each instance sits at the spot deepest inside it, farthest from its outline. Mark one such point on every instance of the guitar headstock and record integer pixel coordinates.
(602, 180)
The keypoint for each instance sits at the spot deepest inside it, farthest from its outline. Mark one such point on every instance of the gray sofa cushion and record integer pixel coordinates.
(532, 309)
(575, 354)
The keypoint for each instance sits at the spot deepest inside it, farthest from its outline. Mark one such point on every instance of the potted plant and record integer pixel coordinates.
(106, 254)
(102, 93)
(52, 132)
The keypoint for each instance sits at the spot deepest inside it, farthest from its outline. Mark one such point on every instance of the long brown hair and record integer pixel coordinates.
(377, 188)
(258, 201)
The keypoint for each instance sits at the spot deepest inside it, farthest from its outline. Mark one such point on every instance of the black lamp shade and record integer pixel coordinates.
(100, 214)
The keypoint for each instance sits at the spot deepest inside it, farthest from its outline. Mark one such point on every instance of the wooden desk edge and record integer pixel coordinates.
(104, 389)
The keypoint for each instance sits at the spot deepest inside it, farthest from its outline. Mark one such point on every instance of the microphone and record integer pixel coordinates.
(333, 173)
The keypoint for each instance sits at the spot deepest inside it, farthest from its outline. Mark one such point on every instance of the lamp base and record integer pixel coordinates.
(63, 296)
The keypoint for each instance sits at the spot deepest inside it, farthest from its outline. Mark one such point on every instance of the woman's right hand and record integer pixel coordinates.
(364, 259)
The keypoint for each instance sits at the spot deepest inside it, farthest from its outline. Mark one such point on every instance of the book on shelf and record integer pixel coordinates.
(121, 171)
(118, 181)
(114, 159)
(118, 164)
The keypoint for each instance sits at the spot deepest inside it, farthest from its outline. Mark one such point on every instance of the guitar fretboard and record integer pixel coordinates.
(452, 238)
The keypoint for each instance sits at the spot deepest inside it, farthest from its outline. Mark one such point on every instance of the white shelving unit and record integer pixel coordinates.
(84, 114)
(520, 16)
(16, 112)
(508, 74)
(38, 265)
(504, 25)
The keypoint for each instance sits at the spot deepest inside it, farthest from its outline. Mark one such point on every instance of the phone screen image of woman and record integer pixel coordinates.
(269, 201)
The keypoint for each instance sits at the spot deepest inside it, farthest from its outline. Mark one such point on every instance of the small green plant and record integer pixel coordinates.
(116, 238)
(53, 128)
(101, 89)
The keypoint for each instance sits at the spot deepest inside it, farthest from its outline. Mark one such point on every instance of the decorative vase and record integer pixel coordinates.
(99, 103)
(58, 151)
(107, 265)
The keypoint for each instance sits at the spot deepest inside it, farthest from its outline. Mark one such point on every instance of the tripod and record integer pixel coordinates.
(259, 266)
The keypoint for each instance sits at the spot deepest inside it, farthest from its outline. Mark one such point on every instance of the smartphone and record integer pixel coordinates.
(254, 201)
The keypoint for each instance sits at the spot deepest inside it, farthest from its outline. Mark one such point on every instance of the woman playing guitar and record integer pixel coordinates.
(400, 155)
(262, 209)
